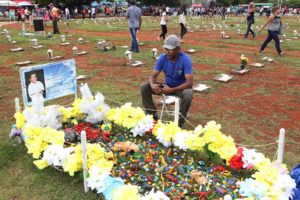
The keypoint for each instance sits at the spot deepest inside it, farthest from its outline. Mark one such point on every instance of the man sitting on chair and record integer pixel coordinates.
(177, 67)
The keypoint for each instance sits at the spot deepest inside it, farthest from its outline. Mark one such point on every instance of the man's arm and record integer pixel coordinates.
(154, 85)
(140, 25)
(188, 84)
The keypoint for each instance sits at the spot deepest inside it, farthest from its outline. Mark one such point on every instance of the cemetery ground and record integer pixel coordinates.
(251, 107)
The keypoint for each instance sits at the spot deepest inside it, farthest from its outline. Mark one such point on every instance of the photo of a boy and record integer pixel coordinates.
(35, 92)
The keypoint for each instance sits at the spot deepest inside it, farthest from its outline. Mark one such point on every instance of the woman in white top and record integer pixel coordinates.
(163, 23)
(35, 91)
(182, 23)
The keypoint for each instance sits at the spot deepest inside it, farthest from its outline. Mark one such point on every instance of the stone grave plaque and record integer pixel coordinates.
(223, 78)
(201, 87)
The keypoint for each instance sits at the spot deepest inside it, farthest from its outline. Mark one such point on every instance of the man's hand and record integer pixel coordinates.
(156, 88)
(167, 90)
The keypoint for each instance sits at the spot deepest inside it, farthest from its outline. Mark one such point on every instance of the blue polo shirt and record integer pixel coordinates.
(175, 71)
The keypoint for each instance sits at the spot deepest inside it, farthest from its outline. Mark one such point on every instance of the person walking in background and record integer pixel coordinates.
(182, 23)
(223, 13)
(55, 16)
(274, 29)
(67, 13)
(134, 16)
(163, 24)
(250, 20)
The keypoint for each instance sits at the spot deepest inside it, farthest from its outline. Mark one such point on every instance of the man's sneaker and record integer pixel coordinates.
(260, 51)
(282, 53)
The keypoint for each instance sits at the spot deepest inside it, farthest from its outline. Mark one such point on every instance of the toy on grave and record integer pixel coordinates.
(110, 156)
(103, 45)
(50, 53)
(106, 128)
(199, 177)
(127, 147)
(154, 53)
(71, 136)
(244, 62)
(75, 50)
(16, 135)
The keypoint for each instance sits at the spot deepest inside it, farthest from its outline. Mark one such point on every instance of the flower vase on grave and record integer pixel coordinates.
(50, 53)
(75, 50)
(244, 62)
(128, 55)
(63, 38)
(35, 42)
(8, 38)
(222, 34)
(154, 52)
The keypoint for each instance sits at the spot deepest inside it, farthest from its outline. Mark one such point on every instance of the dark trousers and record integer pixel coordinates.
(183, 30)
(134, 43)
(164, 31)
(55, 26)
(186, 97)
(249, 24)
(223, 16)
(272, 35)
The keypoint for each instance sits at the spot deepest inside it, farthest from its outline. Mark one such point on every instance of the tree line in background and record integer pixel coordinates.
(290, 3)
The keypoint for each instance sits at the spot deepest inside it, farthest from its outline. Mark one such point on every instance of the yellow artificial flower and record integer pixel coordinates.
(66, 113)
(41, 164)
(20, 119)
(267, 174)
(94, 153)
(53, 136)
(103, 165)
(126, 192)
(35, 147)
(75, 110)
(73, 162)
(126, 115)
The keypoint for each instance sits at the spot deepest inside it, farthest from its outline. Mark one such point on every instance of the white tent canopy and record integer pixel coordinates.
(8, 3)
(25, 3)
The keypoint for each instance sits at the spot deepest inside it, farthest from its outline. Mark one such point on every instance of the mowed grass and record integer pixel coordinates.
(20, 179)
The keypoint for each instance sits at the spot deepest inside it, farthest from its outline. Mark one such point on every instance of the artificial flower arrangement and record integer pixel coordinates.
(160, 164)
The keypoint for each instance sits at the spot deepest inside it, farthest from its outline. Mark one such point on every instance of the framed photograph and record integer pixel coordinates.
(48, 81)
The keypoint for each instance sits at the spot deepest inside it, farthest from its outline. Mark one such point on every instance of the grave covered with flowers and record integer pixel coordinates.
(131, 156)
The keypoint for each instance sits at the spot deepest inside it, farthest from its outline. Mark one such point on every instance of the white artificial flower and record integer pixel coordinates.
(56, 155)
(50, 116)
(285, 186)
(158, 195)
(251, 158)
(160, 137)
(179, 140)
(96, 179)
(143, 126)
(94, 109)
